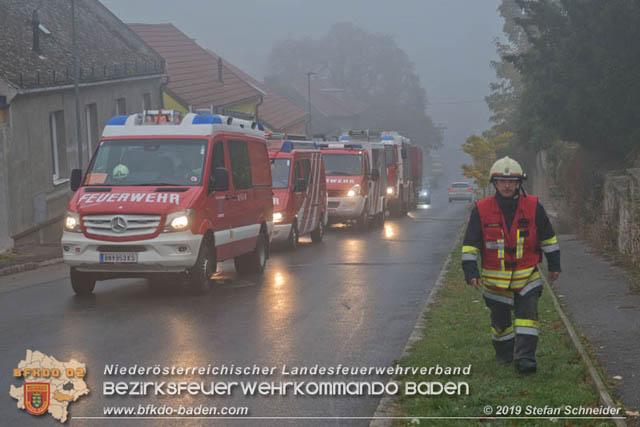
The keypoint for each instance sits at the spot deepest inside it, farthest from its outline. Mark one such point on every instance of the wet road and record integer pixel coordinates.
(351, 300)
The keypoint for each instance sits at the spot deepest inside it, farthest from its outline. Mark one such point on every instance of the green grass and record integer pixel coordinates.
(457, 333)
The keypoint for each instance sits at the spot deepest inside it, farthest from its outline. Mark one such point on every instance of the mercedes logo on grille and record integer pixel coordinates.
(118, 224)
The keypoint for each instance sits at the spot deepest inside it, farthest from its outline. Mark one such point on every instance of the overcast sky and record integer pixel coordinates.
(449, 41)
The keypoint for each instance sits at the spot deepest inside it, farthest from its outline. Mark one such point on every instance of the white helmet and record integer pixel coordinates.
(506, 168)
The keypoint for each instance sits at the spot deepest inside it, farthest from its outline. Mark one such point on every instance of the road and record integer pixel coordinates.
(351, 300)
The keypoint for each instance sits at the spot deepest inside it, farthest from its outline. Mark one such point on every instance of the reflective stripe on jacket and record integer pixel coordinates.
(509, 258)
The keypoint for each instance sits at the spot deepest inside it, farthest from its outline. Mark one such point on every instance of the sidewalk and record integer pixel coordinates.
(597, 297)
(29, 258)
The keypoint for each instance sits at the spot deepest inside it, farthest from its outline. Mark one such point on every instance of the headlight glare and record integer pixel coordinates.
(277, 217)
(178, 221)
(389, 190)
(354, 191)
(72, 222)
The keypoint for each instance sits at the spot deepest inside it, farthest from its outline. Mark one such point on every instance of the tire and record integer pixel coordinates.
(318, 233)
(81, 282)
(294, 237)
(199, 277)
(395, 209)
(255, 261)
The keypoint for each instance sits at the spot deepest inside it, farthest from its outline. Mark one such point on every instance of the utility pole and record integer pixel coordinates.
(309, 74)
(76, 87)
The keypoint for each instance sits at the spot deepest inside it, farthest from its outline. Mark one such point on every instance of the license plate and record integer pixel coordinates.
(118, 258)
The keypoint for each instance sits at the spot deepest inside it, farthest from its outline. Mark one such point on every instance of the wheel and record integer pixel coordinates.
(81, 282)
(395, 209)
(199, 277)
(255, 261)
(294, 236)
(318, 233)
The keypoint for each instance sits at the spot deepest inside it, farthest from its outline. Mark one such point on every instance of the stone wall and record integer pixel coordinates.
(621, 210)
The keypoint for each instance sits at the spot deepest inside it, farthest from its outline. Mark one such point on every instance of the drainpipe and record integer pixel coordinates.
(162, 86)
(259, 103)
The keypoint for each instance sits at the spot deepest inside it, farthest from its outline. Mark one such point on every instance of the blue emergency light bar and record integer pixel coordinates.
(117, 121)
(387, 138)
(288, 146)
(207, 119)
(345, 138)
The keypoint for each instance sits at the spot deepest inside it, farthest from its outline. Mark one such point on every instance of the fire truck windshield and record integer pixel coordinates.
(148, 162)
(342, 164)
(280, 172)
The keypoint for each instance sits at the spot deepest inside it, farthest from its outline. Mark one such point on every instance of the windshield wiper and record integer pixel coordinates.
(338, 173)
(155, 184)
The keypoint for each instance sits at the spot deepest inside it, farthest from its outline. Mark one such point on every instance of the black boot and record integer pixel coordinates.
(504, 351)
(526, 366)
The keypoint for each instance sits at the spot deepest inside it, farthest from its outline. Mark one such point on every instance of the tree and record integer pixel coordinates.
(580, 74)
(483, 152)
(369, 67)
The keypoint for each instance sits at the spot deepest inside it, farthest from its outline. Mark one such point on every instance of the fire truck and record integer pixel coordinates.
(300, 191)
(356, 179)
(166, 196)
(399, 187)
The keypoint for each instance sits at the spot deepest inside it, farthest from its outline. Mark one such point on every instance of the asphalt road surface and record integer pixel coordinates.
(351, 300)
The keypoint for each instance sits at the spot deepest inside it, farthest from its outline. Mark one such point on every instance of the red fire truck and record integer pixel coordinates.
(300, 191)
(356, 180)
(399, 187)
(166, 195)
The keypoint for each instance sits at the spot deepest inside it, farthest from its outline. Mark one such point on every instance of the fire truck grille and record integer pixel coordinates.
(334, 204)
(336, 193)
(121, 225)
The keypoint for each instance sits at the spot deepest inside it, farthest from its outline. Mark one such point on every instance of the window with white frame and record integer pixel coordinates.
(58, 147)
(121, 106)
(146, 101)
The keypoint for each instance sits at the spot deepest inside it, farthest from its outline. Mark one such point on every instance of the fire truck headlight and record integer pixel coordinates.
(178, 221)
(277, 217)
(72, 222)
(389, 190)
(355, 190)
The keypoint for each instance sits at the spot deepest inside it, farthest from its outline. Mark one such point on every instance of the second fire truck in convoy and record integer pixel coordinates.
(167, 195)
(299, 191)
(356, 180)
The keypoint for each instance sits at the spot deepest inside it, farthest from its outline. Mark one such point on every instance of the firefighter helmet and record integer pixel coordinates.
(507, 168)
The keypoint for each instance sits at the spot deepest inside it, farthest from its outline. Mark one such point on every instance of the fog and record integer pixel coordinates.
(449, 41)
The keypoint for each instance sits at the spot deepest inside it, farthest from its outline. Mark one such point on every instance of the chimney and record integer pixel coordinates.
(35, 26)
(220, 69)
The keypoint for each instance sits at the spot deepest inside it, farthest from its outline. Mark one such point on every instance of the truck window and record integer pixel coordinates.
(138, 162)
(342, 164)
(240, 164)
(306, 169)
(388, 155)
(259, 158)
(280, 172)
(217, 158)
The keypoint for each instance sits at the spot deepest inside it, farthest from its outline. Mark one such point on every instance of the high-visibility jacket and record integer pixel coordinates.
(509, 257)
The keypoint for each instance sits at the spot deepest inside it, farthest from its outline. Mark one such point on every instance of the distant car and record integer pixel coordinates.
(424, 195)
(460, 191)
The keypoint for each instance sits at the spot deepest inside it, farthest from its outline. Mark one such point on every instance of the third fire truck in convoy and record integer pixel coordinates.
(404, 172)
(356, 179)
(299, 191)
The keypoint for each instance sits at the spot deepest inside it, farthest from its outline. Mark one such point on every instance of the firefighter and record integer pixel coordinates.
(510, 230)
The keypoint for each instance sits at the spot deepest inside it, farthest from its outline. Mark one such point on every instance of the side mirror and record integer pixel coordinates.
(301, 185)
(221, 179)
(375, 174)
(75, 180)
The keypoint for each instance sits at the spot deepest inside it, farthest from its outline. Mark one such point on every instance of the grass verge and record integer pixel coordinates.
(457, 334)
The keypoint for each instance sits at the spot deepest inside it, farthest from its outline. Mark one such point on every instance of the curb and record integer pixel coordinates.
(384, 414)
(605, 398)
(20, 268)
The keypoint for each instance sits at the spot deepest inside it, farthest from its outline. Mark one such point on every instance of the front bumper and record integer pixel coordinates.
(281, 232)
(345, 207)
(166, 253)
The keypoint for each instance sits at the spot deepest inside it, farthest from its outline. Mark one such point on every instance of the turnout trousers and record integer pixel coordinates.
(518, 338)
